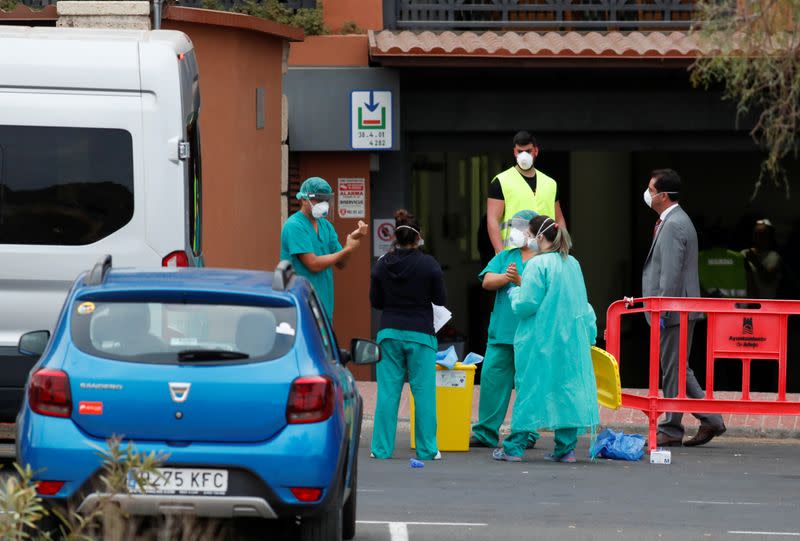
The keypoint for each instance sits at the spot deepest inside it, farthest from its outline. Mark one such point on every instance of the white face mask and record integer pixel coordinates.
(320, 210)
(525, 160)
(516, 238)
(648, 199)
(533, 245)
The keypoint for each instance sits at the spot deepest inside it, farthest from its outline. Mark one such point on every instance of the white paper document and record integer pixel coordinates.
(441, 315)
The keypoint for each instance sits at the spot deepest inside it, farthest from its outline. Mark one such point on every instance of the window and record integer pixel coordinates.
(195, 188)
(170, 333)
(64, 186)
(319, 317)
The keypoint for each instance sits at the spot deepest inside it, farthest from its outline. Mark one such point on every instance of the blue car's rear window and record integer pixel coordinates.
(174, 333)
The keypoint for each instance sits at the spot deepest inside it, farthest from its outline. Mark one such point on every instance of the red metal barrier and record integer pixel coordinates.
(737, 329)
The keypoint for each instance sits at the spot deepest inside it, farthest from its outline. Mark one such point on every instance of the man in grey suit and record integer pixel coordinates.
(670, 270)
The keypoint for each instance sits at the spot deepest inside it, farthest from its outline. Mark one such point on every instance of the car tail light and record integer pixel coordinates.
(178, 258)
(49, 394)
(305, 494)
(311, 400)
(50, 488)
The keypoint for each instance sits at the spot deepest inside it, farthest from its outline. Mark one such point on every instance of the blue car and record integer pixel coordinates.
(235, 374)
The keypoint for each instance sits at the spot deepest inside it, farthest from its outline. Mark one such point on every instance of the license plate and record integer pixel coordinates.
(180, 481)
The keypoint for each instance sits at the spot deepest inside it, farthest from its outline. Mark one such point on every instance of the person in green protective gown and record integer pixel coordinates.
(556, 387)
(497, 374)
(404, 285)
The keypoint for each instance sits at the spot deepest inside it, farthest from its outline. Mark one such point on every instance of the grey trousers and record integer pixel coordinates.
(670, 356)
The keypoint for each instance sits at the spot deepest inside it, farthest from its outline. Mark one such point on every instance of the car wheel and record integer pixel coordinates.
(326, 526)
(349, 513)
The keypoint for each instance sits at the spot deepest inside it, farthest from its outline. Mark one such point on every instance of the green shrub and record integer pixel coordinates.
(22, 511)
(309, 19)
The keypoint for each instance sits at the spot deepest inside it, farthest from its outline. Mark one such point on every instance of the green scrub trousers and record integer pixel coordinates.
(565, 441)
(413, 354)
(497, 381)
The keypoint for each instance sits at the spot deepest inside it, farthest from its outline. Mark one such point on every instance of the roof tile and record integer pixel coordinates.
(674, 45)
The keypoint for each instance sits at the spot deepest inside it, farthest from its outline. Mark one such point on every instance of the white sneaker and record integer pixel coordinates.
(372, 455)
(438, 455)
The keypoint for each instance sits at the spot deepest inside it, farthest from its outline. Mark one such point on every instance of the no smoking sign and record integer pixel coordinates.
(383, 236)
(386, 232)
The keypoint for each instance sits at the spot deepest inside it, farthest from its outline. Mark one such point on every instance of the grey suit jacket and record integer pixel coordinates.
(670, 269)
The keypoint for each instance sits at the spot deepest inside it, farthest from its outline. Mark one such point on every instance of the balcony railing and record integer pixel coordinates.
(538, 14)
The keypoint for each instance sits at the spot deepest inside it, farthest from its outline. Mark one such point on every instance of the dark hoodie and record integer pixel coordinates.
(404, 284)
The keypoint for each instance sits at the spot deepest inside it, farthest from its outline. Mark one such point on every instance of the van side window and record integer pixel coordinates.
(319, 317)
(64, 186)
(195, 188)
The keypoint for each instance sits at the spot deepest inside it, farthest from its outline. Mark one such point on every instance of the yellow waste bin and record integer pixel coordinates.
(453, 407)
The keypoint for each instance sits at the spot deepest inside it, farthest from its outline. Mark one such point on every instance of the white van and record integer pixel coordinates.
(99, 154)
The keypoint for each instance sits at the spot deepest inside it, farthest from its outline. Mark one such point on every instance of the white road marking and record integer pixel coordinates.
(398, 531)
(788, 534)
(372, 490)
(721, 503)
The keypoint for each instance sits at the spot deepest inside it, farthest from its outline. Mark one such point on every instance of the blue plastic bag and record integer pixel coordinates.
(618, 446)
(447, 358)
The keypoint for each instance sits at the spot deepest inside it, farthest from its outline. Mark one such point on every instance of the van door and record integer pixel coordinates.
(70, 167)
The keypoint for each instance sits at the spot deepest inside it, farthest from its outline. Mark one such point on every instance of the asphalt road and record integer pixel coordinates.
(731, 490)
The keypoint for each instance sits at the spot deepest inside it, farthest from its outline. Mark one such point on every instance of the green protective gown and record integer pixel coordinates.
(413, 354)
(497, 374)
(555, 381)
(299, 237)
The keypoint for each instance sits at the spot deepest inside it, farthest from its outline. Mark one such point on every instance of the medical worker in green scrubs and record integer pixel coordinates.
(310, 242)
(404, 284)
(497, 374)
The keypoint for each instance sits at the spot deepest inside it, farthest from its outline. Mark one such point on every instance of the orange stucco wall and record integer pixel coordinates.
(241, 164)
(351, 318)
(367, 14)
(339, 51)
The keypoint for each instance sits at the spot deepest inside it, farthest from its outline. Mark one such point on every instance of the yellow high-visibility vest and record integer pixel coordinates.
(519, 196)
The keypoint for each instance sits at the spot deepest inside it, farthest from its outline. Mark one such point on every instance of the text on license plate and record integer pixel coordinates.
(180, 481)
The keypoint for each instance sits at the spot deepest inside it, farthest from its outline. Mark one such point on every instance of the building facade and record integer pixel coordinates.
(605, 90)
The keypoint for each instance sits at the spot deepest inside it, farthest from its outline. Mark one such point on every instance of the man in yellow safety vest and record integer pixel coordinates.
(521, 187)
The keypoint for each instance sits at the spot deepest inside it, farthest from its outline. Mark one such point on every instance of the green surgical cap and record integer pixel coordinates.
(526, 215)
(314, 185)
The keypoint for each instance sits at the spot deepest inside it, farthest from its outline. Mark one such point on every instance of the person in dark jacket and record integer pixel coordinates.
(404, 284)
